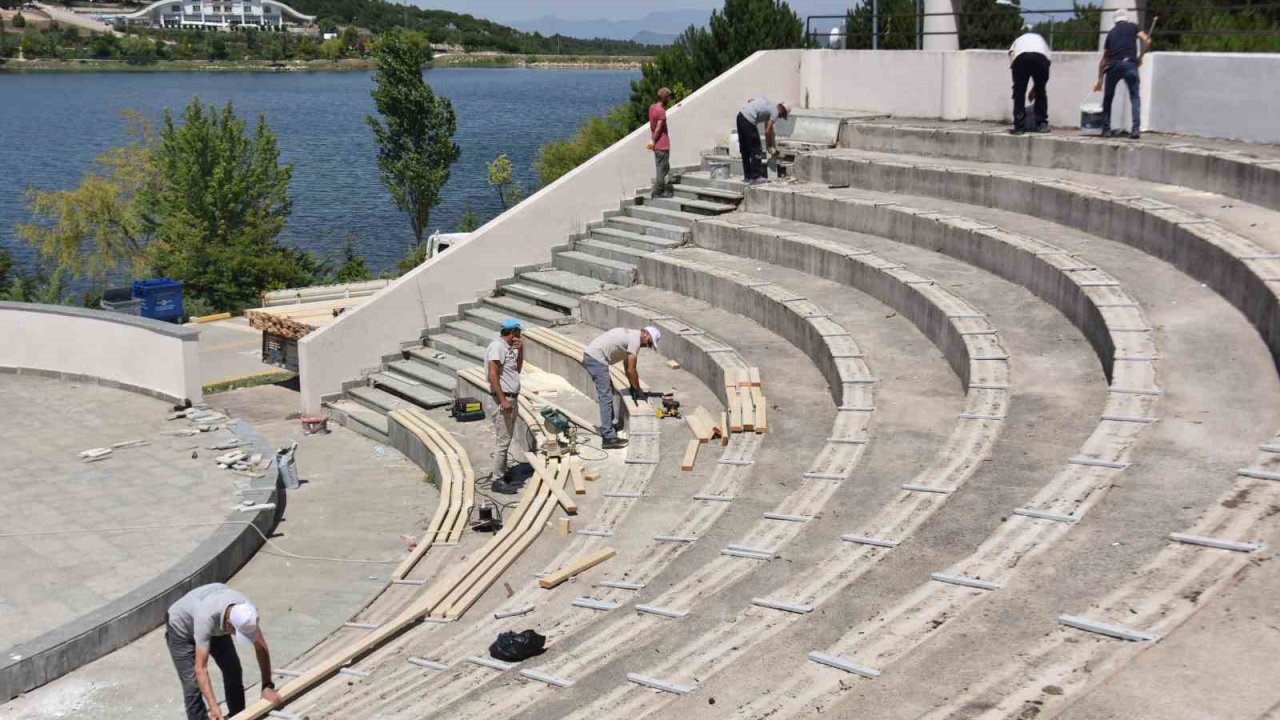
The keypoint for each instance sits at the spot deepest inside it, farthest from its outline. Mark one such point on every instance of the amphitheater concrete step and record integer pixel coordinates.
(702, 178)
(613, 272)
(542, 295)
(443, 361)
(460, 347)
(473, 332)
(610, 251)
(431, 375)
(530, 312)
(409, 389)
(376, 399)
(358, 417)
(677, 233)
(689, 205)
(640, 241)
(691, 191)
(655, 213)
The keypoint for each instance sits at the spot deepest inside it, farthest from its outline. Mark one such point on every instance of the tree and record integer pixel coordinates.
(18, 21)
(468, 222)
(895, 22)
(138, 51)
(332, 49)
(350, 38)
(986, 24)
(352, 267)
(501, 180)
(415, 133)
(216, 47)
(593, 135)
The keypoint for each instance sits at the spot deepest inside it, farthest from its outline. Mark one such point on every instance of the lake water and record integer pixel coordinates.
(53, 125)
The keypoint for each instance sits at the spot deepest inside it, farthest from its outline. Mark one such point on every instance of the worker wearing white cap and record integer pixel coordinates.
(201, 625)
(617, 345)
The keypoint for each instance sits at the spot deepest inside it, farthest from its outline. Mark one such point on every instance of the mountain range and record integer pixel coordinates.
(656, 28)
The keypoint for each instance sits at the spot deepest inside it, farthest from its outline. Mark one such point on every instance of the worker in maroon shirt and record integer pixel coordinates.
(660, 144)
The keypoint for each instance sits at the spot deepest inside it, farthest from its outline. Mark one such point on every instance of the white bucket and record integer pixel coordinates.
(1091, 112)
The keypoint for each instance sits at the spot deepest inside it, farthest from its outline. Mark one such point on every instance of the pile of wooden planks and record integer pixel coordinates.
(457, 484)
(747, 408)
(295, 321)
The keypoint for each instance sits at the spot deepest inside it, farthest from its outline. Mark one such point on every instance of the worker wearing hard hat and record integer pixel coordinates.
(617, 345)
(503, 361)
(201, 625)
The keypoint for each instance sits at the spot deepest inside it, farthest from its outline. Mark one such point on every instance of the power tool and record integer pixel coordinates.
(557, 424)
(467, 409)
(670, 407)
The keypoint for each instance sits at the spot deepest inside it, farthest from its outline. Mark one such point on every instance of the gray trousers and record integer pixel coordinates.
(503, 427)
(599, 373)
(662, 172)
(223, 650)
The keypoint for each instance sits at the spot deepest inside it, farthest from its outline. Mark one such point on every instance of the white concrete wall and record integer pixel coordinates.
(525, 234)
(138, 353)
(1227, 95)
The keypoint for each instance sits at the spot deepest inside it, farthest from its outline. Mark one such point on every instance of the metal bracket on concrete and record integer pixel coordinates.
(1134, 391)
(752, 550)
(1117, 305)
(989, 386)
(787, 518)
(927, 489)
(1129, 329)
(690, 333)
(856, 408)
(408, 582)
(548, 679)
(641, 461)
(1045, 515)
(967, 333)
(1136, 358)
(1270, 256)
(840, 663)
(657, 684)
(965, 581)
(643, 433)
(622, 494)
(962, 316)
(1094, 462)
(664, 612)
(825, 476)
(525, 610)
(593, 604)
(989, 357)
(1115, 631)
(353, 672)
(1082, 268)
(861, 380)
(799, 608)
(714, 498)
(746, 554)
(1130, 419)
(490, 663)
(1269, 448)
(980, 416)
(739, 463)
(286, 673)
(595, 533)
(1216, 543)
(1258, 474)
(865, 540)
(719, 350)
(428, 664)
(360, 625)
(620, 585)
(847, 441)
(675, 538)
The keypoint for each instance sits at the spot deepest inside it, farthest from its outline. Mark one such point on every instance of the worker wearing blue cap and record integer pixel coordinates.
(503, 360)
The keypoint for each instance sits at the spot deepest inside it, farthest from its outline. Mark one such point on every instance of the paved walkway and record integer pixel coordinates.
(50, 579)
(358, 498)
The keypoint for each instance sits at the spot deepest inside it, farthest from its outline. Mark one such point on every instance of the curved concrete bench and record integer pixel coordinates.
(1251, 178)
(121, 621)
(146, 356)
(711, 360)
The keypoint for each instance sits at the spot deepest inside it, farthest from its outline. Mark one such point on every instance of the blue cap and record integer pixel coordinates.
(511, 324)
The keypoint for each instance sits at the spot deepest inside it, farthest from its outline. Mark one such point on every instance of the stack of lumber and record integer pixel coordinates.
(295, 321)
(457, 484)
(744, 396)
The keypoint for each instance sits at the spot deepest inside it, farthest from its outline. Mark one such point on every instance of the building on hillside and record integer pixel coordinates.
(219, 14)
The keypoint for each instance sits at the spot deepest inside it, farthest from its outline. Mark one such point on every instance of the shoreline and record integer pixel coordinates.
(471, 60)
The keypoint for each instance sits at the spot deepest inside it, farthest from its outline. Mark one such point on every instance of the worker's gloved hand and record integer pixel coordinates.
(636, 395)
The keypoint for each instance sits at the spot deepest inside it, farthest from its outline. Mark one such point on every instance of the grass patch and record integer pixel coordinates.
(266, 377)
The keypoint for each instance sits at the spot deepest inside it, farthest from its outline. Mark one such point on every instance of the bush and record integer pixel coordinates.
(18, 21)
(595, 134)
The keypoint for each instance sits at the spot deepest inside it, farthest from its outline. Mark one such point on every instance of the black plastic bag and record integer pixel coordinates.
(514, 647)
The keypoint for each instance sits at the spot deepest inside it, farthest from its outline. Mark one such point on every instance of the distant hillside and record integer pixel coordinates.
(647, 37)
(475, 34)
(663, 27)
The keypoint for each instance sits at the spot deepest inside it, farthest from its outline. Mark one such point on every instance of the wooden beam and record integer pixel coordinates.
(673, 364)
(576, 567)
(696, 420)
(748, 408)
(724, 423)
(690, 455)
(564, 526)
(557, 489)
(762, 408)
(575, 475)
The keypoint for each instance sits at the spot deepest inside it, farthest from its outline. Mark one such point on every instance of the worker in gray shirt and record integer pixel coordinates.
(617, 345)
(201, 625)
(503, 361)
(758, 110)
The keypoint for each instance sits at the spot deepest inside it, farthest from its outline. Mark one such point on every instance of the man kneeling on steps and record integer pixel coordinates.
(201, 625)
(616, 345)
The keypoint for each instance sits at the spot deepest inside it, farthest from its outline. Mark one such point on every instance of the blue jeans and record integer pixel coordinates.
(599, 373)
(1126, 70)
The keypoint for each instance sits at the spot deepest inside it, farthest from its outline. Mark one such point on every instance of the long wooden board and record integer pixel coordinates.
(576, 567)
(576, 476)
(698, 425)
(748, 409)
(690, 455)
(762, 408)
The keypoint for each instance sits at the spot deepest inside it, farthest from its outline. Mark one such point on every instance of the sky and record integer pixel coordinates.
(511, 10)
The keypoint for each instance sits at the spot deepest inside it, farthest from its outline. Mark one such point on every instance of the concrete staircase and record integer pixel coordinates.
(602, 257)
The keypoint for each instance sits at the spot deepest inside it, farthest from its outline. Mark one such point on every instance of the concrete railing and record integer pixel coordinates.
(526, 234)
(147, 356)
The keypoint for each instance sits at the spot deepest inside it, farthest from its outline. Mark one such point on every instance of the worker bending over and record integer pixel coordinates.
(1029, 61)
(616, 345)
(201, 625)
(757, 110)
(504, 359)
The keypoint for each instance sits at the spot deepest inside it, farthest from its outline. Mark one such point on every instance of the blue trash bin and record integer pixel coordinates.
(161, 298)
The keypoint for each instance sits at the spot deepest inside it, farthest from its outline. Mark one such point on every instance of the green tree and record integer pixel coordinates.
(351, 268)
(18, 21)
(216, 47)
(987, 24)
(350, 38)
(896, 24)
(332, 49)
(468, 222)
(414, 134)
(138, 51)
(307, 49)
(501, 180)
(221, 201)
(594, 134)
(1077, 33)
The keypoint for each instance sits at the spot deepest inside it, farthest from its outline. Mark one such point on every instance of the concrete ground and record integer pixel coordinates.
(359, 497)
(230, 349)
(49, 579)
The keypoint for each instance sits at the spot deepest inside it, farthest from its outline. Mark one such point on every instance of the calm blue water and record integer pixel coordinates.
(53, 125)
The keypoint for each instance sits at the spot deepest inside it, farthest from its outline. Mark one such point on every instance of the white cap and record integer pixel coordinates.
(244, 618)
(654, 334)
(1120, 15)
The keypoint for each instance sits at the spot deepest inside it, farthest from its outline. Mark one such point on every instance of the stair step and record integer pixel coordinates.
(540, 295)
(432, 375)
(471, 331)
(702, 178)
(662, 215)
(704, 191)
(531, 313)
(640, 241)
(565, 282)
(610, 250)
(440, 359)
(484, 315)
(458, 346)
(604, 269)
(376, 399)
(696, 207)
(421, 395)
(649, 227)
(371, 420)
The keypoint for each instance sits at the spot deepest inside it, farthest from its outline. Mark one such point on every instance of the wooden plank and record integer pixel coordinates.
(728, 430)
(734, 403)
(409, 422)
(591, 476)
(690, 455)
(753, 377)
(673, 364)
(575, 475)
(576, 567)
(557, 489)
(711, 423)
(698, 425)
(762, 410)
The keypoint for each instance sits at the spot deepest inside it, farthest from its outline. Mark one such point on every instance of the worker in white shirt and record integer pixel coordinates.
(617, 345)
(1029, 59)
